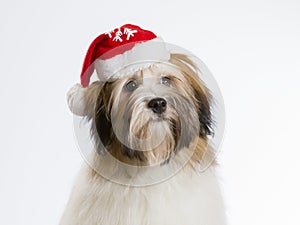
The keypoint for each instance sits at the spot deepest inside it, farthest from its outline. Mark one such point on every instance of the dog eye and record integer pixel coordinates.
(166, 81)
(131, 85)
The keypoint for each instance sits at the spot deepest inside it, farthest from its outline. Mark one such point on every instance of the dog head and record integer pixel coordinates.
(147, 117)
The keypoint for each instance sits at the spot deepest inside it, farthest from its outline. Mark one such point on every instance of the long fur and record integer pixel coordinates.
(126, 129)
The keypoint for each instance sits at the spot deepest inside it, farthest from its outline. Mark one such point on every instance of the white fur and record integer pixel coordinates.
(188, 198)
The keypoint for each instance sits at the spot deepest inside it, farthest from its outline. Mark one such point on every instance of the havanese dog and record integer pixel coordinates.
(151, 126)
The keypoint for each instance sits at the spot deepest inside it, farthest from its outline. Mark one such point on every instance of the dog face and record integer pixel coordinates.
(145, 118)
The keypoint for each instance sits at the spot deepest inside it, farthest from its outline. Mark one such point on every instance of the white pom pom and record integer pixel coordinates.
(76, 100)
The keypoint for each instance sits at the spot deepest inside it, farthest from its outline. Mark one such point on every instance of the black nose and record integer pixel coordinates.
(158, 105)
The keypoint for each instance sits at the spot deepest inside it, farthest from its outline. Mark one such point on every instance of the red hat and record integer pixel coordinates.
(120, 47)
(114, 50)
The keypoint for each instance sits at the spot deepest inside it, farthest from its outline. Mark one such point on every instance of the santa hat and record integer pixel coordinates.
(127, 46)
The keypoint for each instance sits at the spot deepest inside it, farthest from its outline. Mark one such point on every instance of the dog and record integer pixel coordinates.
(151, 131)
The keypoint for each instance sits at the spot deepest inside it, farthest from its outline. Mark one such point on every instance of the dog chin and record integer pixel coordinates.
(156, 137)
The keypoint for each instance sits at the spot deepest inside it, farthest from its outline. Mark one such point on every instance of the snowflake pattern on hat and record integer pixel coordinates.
(118, 35)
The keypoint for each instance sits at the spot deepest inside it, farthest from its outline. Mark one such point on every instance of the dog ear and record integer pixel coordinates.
(204, 109)
(202, 96)
(101, 116)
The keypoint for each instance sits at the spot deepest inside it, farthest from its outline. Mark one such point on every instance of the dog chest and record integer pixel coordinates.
(183, 199)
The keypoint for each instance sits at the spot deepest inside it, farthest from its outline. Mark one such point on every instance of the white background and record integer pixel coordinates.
(251, 47)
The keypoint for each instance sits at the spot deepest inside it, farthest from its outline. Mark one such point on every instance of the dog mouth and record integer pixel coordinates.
(159, 118)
